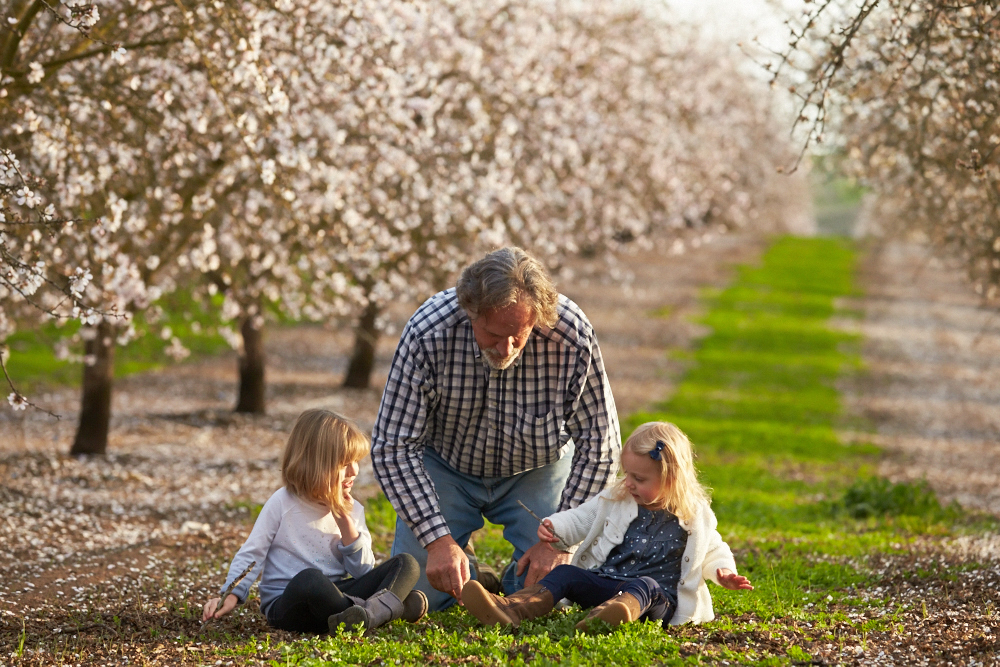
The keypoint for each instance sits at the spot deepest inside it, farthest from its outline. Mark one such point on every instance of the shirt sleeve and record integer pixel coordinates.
(593, 425)
(574, 524)
(255, 548)
(359, 559)
(398, 442)
(717, 552)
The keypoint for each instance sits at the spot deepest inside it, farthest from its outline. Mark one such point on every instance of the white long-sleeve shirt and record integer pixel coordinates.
(291, 535)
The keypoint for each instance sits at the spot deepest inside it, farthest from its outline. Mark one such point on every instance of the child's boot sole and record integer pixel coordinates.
(614, 613)
(480, 603)
(350, 617)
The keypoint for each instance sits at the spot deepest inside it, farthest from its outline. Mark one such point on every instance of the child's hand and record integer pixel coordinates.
(348, 502)
(734, 582)
(209, 610)
(348, 529)
(545, 529)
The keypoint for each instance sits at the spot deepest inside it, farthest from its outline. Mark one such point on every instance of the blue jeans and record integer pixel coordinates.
(589, 589)
(465, 500)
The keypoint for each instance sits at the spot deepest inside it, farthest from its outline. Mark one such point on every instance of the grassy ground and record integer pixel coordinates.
(848, 568)
(34, 363)
(810, 525)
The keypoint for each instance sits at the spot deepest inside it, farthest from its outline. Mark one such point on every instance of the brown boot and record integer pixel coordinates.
(486, 575)
(490, 609)
(623, 608)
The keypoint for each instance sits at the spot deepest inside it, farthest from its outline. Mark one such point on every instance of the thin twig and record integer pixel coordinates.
(18, 395)
(539, 520)
(225, 593)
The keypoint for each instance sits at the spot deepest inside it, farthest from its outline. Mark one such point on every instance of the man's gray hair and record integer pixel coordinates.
(502, 278)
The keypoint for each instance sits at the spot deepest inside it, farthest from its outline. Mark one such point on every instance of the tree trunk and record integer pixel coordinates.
(251, 398)
(359, 371)
(95, 404)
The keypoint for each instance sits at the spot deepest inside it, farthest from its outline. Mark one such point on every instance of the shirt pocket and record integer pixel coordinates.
(539, 435)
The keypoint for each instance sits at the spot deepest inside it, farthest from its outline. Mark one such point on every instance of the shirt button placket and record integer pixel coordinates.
(495, 382)
(492, 420)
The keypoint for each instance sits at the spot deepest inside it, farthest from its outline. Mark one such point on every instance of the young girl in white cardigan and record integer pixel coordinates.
(643, 548)
(311, 546)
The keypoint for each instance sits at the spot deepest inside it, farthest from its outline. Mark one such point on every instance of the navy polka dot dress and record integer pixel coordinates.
(653, 547)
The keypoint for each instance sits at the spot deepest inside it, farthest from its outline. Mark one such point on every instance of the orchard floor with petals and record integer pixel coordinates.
(107, 561)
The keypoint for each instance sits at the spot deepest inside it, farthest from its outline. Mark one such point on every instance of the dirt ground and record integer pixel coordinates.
(933, 375)
(113, 555)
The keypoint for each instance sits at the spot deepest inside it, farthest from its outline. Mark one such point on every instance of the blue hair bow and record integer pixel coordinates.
(654, 453)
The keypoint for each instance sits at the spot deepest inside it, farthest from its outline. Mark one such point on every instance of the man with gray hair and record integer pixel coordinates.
(497, 394)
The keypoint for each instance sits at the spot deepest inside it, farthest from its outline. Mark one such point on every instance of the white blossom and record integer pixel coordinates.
(176, 350)
(36, 73)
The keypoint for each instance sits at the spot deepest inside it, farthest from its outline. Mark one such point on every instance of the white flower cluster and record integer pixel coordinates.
(83, 14)
(35, 72)
(118, 55)
(324, 156)
(79, 281)
(176, 350)
(916, 103)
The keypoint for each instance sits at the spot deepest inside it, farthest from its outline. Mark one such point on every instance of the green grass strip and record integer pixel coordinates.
(800, 508)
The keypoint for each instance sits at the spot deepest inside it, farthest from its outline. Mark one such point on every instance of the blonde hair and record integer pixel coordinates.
(322, 443)
(680, 490)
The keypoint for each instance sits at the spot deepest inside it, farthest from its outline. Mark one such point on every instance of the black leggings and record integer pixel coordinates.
(310, 597)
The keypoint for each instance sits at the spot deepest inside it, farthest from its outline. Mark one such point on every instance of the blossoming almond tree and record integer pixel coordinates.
(564, 130)
(41, 245)
(114, 109)
(910, 92)
(308, 237)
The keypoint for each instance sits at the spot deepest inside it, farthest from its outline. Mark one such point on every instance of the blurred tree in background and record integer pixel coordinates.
(316, 161)
(908, 93)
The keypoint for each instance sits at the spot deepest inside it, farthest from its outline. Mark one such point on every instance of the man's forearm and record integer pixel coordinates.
(419, 511)
(410, 491)
(587, 478)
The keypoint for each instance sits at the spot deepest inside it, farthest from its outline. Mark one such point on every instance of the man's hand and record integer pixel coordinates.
(539, 561)
(447, 566)
(734, 582)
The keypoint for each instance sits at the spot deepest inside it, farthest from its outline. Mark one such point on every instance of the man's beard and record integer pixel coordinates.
(498, 363)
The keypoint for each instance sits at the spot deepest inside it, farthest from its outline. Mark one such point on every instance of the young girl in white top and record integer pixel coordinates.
(312, 546)
(643, 548)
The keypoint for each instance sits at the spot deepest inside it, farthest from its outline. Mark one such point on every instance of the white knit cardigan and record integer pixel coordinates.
(598, 525)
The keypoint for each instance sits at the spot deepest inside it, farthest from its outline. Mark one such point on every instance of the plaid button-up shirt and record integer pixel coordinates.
(487, 423)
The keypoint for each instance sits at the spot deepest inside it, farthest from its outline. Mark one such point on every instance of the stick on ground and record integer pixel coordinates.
(229, 589)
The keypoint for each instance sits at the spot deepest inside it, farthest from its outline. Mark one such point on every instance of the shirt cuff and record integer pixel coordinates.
(241, 592)
(352, 548)
(430, 530)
